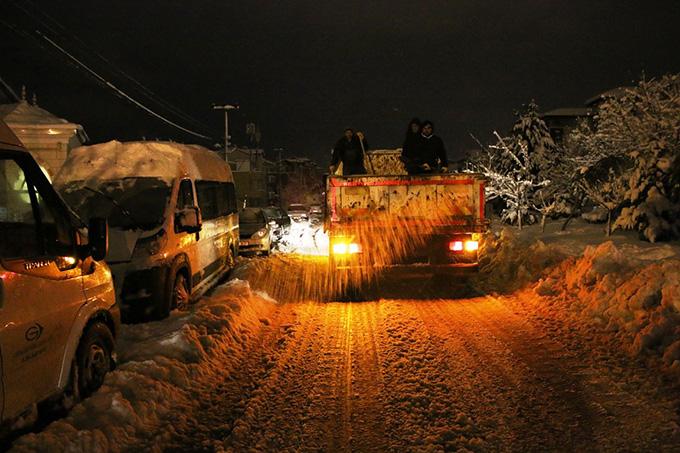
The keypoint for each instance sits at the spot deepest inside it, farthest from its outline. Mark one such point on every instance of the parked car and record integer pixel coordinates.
(298, 212)
(172, 213)
(315, 214)
(58, 314)
(279, 220)
(256, 232)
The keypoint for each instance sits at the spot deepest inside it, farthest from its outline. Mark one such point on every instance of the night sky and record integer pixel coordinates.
(303, 70)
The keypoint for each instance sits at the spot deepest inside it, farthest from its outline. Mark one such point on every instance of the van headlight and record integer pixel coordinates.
(259, 234)
(152, 245)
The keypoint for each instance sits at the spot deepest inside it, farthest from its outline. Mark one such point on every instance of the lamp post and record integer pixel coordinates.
(279, 174)
(226, 108)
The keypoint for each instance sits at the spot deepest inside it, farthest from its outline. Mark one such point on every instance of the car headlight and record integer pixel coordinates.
(259, 234)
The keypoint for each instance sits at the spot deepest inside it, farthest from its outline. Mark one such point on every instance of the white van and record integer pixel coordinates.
(172, 215)
(58, 314)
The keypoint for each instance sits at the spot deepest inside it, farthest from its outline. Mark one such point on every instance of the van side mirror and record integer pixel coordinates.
(189, 220)
(98, 238)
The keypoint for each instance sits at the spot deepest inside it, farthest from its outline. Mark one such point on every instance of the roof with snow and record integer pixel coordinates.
(165, 160)
(24, 113)
(568, 111)
(613, 93)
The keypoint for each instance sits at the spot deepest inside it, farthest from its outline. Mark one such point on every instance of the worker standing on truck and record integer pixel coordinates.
(429, 154)
(349, 150)
(410, 146)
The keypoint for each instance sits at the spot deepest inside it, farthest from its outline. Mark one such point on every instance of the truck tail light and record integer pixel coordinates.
(471, 246)
(459, 246)
(456, 246)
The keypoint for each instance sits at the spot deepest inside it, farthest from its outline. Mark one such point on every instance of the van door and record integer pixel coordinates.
(213, 243)
(188, 242)
(42, 288)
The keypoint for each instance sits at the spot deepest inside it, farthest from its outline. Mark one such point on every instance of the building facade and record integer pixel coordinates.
(49, 138)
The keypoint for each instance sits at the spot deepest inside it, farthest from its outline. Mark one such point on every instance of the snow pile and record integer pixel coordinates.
(153, 388)
(305, 238)
(384, 162)
(634, 297)
(509, 262)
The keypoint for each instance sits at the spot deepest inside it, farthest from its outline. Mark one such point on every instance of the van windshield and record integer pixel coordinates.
(128, 203)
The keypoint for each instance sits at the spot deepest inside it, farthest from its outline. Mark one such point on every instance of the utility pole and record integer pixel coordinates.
(226, 108)
(279, 175)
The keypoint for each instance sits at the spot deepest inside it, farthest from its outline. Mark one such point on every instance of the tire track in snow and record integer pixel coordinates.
(347, 378)
(222, 398)
(636, 409)
(306, 402)
(275, 418)
(424, 408)
(473, 372)
(367, 395)
(409, 375)
(552, 402)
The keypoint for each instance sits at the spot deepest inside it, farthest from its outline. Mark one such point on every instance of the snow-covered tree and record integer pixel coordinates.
(606, 183)
(525, 170)
(510, 178)
(531, 132)
(643, 124)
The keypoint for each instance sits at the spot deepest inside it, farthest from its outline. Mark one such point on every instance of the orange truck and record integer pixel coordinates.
(389, 221)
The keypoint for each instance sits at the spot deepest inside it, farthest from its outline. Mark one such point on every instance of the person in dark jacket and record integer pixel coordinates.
(410, 146)
(429, 153)
(349, 150)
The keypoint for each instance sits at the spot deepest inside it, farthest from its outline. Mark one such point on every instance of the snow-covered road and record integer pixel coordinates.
(404, 375)
(543, 350)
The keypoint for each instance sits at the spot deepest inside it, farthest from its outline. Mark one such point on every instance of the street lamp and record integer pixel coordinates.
(226, 108)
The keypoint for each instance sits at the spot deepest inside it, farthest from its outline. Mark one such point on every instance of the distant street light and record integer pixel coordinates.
(226, 108)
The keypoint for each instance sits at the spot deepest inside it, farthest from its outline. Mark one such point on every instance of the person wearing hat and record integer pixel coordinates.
(349, 150)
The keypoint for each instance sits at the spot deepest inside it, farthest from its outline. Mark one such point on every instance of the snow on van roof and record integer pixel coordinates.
(165, 160)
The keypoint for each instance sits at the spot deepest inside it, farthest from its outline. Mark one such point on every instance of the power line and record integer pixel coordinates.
(149, 94)
(118, 90)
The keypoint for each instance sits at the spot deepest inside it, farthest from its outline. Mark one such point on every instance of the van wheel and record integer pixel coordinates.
(174, 287)
(93, 360)
(180, 292)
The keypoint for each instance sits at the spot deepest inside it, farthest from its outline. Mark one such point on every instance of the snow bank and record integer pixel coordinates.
(151, 390)
(629, 289)
(509, 262)
(635, 297)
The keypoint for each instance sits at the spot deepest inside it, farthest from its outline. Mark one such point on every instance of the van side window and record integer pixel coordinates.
(231, 197)
(207, 199)
(216, 198)
(185, 197)
(17, 219)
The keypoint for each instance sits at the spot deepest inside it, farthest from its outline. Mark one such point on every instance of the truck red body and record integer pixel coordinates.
(387, 222)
